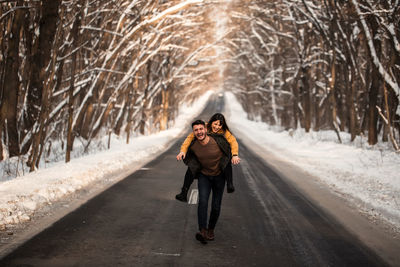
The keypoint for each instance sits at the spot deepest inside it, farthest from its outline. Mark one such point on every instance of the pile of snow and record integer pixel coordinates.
(369, 176)
(22, 196)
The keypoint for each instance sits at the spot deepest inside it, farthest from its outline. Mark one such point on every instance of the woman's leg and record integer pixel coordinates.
(189, 177)
(229, 178)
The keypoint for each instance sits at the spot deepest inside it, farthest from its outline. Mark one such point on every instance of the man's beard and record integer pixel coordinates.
(200, 138)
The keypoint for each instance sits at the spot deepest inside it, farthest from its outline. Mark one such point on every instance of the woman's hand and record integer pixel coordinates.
(180, 156)
(235, 160)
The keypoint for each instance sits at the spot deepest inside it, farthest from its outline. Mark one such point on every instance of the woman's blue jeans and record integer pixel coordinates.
(206, 184)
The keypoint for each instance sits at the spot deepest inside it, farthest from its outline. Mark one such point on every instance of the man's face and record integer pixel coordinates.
(199, 131)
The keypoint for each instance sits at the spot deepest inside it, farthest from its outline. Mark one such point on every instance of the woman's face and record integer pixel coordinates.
(216, 126)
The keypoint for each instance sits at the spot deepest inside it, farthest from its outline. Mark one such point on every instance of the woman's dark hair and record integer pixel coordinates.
(217, 117)
(197, 122)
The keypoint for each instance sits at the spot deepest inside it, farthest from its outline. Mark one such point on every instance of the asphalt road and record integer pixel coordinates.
(138, 222)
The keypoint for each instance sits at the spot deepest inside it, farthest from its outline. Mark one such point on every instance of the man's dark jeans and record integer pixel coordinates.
(206, 184)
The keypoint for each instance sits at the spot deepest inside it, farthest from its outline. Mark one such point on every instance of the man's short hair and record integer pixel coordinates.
(198, 122)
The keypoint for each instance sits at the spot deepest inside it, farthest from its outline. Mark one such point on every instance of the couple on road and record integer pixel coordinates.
(209, 152)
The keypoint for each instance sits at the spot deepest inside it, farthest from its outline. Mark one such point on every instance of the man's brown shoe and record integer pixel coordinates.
(202, 236)
(210, 235)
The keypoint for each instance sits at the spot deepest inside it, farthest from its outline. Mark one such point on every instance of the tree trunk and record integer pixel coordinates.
(40, 128)
(85, 116)
(353, 125)
(144, 106)
(332, 97)
(70, 137)
(372, 112)
(376, 82)
(295, 103)
(102, 120)
(340, 98)
(389, 118)
(306, 100)
(41, 58)
(131, 103)
(165, 109)
(125, 109)
(11, 85)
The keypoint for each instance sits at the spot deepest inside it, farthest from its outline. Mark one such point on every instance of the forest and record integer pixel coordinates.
(75, 71)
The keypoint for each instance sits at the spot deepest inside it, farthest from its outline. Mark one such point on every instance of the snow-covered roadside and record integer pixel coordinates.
(21, 197)
(367, 176)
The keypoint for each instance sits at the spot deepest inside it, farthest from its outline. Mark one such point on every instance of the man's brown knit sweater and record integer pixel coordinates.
(209, 156)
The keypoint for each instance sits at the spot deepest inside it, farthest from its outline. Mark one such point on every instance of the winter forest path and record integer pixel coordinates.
(137, 222)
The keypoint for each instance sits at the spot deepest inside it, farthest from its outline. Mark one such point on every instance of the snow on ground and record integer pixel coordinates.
(21, 197)
(368, 176)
